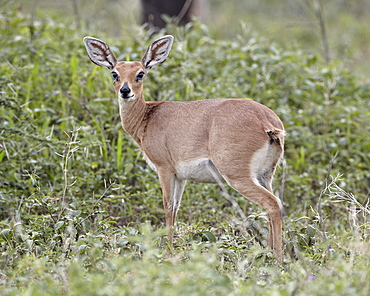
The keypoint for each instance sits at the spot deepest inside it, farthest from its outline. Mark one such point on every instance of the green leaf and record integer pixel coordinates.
(58, 225)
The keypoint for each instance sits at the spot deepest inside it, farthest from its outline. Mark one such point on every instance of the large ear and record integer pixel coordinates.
(157, 52)
(100, 53)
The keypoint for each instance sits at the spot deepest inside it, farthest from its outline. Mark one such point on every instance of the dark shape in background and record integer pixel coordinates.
(181, 10)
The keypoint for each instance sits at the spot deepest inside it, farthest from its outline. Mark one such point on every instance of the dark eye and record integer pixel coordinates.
(115, 75)
(140, 76)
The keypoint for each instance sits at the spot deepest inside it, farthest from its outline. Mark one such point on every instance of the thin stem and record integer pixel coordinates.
(324, 37)
(327, 185)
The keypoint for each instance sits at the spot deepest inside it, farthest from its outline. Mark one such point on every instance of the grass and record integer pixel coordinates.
(81, 213)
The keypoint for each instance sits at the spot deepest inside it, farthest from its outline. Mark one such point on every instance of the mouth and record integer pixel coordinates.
(127, 98)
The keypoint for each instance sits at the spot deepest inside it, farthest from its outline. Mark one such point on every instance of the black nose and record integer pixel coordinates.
(125, 90)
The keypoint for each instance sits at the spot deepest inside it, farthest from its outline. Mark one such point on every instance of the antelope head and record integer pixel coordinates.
(128, 76)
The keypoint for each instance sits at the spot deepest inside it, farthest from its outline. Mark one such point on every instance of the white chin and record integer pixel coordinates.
(127, 99)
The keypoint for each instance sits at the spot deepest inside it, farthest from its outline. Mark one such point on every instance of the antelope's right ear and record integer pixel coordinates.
(100, 53)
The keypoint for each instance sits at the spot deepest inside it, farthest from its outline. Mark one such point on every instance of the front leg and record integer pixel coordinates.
(172, 190)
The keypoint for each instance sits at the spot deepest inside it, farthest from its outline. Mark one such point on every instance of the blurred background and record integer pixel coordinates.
(333, 29)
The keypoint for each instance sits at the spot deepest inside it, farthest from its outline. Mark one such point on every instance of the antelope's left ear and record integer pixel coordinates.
(157, 52)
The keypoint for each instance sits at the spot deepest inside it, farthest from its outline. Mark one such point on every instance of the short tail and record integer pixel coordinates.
(276, 136)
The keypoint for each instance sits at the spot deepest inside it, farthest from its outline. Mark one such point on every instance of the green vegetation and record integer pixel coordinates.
(81, 213)
(297, 23)
(284, 22)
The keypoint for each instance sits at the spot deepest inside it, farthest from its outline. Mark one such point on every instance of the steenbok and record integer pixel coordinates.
(237, 141)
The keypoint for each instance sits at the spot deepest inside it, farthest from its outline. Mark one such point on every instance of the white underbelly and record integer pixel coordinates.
(200, 170)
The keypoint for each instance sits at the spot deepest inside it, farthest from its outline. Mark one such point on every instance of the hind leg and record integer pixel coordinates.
(250, 189)
(266, 182)
(249, 168)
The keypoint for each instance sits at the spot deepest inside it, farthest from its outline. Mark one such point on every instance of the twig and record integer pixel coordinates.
(324, 37)
(319, 211)
(91, 114)
(66, 157)
(96, 203)
(226, 194)
(77, 14)
(183, 11)
(282, 183)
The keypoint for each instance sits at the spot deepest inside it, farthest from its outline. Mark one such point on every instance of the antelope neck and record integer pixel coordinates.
(132, 116)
